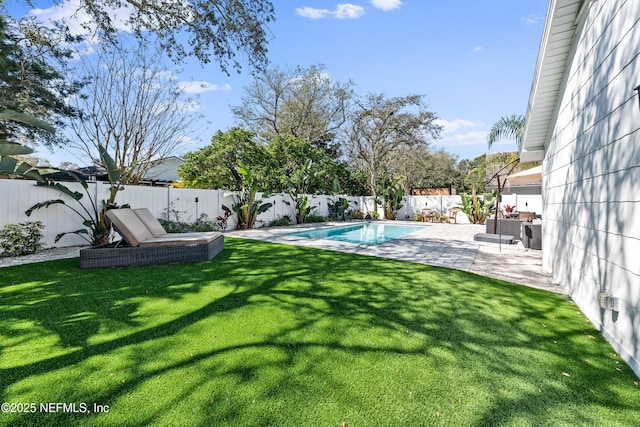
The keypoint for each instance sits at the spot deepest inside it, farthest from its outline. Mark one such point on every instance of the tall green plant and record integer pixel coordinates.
(338, 208)
(10, 165)
(391, 195)
(298, 188)
(246, 204)
(97, 229)
(478, 208)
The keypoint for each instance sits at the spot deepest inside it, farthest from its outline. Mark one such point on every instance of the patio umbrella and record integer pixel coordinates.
(531, 176)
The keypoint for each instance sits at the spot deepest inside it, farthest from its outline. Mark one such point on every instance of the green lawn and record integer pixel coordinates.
(269, 334)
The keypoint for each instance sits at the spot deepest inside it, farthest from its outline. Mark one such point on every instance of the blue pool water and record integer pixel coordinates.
(368, 233)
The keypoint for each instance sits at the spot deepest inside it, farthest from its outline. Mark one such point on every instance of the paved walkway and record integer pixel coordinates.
(445, 245)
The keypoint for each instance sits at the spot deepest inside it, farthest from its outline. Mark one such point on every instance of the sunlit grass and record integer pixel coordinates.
(270, 334)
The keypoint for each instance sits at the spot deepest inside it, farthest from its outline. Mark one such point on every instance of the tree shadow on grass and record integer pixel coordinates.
(280, 335)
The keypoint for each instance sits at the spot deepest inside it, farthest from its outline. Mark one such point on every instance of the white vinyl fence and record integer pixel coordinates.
(189, 204)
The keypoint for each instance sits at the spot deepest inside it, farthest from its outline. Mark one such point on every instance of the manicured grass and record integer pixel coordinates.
(270, 334)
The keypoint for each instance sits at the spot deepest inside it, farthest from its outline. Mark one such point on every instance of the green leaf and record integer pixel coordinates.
(264, 207)
(8, 148)
(112, 172)
(77, 232)
(46, 204)
(12, 166)
(62, 188)
(26, 119)
(8, 165)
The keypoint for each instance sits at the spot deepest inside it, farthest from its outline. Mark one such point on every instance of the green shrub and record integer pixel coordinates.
(372, 215)
(177, 226)
(316, 218)
(357, 214)
(21, 239)
(280, 222)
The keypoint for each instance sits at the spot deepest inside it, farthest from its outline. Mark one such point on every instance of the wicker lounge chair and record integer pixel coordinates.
(149, 243)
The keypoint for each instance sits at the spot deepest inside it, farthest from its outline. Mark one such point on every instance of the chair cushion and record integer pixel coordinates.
(129, 226)
(172, 239)
(150, 221)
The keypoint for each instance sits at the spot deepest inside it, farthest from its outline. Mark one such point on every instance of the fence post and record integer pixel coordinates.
(168, 202)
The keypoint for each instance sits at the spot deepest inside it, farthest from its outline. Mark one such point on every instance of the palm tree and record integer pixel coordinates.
(507, 127)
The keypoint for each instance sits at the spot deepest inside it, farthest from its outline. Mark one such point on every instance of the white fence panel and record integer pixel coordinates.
(189, 204)
(57, 218)
(523, 202)
(156, 199)
(413, 204)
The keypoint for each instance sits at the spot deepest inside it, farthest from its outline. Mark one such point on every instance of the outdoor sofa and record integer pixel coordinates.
(147, 242)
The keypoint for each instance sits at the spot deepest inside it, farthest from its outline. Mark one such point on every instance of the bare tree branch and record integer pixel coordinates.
(131, 106)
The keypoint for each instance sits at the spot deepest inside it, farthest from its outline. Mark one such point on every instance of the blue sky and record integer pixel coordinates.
(472, 60)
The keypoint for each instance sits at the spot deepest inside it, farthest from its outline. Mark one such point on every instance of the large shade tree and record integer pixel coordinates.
(463, 170)
(423, 167)
(290, 162)
(277, 166)
(212, 166)
(221, 30)
(32, 79)
(301, 103)
(381, 126)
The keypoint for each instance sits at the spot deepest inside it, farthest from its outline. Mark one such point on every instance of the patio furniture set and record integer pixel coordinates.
(526, 228)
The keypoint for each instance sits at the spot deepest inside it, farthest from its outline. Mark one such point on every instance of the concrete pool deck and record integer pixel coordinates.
(444, 245)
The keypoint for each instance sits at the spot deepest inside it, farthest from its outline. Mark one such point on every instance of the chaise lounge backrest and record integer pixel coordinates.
(140, 228)
(150, 221)
(129, 226)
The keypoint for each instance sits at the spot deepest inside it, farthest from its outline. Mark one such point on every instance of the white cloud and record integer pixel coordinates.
(475, 138)
(311, 13)
(462, 132)
(186, 140)
(532, 19)
(201, 87)
(348, 11)
(454, 125)
(478, 48)
(386, 5)
(342, 11)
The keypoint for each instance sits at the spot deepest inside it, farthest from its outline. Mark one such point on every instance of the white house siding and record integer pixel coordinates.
(591, 183)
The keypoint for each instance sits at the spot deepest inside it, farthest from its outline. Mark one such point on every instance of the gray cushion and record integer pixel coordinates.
(129, 225)
(182, 239)
(150, 221)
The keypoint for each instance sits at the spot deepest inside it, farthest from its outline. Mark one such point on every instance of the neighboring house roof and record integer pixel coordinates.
(555, 51)
(159, 171)
(89, 173)
(163, 170)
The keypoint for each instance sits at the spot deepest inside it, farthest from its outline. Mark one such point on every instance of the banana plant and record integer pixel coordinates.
(246, 204)
(391, 194)
(478, 209)
(97, 229)
(10, 165)
(337, 208)
(298, 189)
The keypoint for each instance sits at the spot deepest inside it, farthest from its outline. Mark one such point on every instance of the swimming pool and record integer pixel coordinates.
(368, 233)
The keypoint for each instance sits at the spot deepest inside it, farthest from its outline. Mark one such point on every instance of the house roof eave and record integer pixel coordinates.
(555, 50)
